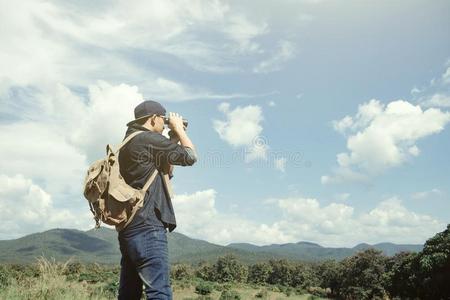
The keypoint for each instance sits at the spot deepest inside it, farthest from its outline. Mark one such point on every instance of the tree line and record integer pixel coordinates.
(366, 275)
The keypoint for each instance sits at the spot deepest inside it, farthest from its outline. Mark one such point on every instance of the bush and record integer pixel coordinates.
(204, 288)
(181, 271)
(319, 292)
(259, 273)
(229, 269)
(112, 288)
(288, 291)
(205, 271)
(230, 295)
(262, 294)
(282, 272)
(4, 277)
(73, 268)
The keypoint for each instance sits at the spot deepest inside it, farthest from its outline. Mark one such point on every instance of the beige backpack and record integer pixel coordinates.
(111, 199)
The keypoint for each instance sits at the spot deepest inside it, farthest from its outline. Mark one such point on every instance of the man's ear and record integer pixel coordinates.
(152, 120)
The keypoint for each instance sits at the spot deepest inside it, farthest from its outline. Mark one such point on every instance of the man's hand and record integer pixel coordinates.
(176, 123)
(174, 137)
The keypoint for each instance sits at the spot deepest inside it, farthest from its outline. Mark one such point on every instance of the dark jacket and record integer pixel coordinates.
(138, 160)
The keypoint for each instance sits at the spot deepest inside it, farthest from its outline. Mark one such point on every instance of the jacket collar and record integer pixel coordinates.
(135, 127)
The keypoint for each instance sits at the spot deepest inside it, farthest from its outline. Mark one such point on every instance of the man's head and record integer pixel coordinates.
(149, 114)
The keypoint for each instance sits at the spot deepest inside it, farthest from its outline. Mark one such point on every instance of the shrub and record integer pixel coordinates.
(262, 294)
(112, 288)
(205, 271)
(229, 269)
(230, 295)
(204, 288)
(282, 272)
(4, 277)
(259, 273)
(288, 291)
(181, 271)
(318, 291)
(73, 268)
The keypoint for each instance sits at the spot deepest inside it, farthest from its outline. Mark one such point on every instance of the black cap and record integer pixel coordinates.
(146, 109)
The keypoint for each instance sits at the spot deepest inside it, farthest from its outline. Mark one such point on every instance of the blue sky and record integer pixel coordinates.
(325, 121)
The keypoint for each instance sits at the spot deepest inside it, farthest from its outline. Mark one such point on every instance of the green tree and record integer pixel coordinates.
(402, 275)
(304, 276)
(434, 263)
(229, 269)
(259, 273)
(282, 272)
(206, 271)
(362, 276)
(329, 273)
(181, 271)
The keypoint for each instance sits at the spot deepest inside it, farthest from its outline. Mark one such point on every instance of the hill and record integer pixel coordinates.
(101, 246)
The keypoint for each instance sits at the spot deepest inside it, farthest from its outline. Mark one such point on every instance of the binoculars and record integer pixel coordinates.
(166, 121)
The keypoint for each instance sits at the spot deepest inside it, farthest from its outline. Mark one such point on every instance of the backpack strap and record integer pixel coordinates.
(139, 203)
(127, 139)
(152, 177)
(149, 181)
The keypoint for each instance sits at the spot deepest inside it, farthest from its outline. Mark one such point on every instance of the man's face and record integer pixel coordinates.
(159, 123)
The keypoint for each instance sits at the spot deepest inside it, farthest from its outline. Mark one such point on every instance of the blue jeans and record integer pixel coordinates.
(144, 262)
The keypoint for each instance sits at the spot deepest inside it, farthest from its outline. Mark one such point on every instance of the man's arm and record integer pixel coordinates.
(180, 135)
(176, 124)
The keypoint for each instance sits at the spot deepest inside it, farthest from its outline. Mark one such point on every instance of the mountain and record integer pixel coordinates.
(298, 251)
(312, 251)
(390, 248)
(101, 246)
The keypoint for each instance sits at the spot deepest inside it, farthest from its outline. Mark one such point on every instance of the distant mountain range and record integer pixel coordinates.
(101, 246)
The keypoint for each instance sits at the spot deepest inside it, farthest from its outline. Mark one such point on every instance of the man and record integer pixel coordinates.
(143, 242)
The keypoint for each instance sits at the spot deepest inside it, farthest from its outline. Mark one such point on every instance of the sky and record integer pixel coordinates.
(322, 121)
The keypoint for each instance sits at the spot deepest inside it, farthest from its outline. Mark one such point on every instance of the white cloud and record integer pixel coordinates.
(242, 125)
(285, 52)
(415, 91)
(41, 152)
(342, 125)
(337, 224)
(198, 217)
(55, 135)
(436, 93)
(242, 128)
(256, 152)
(107, 111)
(342, 175)
(280, 164)
(437, 100)
(304, 219)
(446, 76)
(343, 196)
(77, 44)
(60, 115)
(241, 30)
(27, 208)
(427, 194)
(383, 136)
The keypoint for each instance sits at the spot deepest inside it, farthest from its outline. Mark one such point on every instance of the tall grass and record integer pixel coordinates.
(51, 280)
(49, 283)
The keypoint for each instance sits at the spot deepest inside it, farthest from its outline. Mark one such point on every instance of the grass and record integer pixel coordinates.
(51, 280)
(245, 292)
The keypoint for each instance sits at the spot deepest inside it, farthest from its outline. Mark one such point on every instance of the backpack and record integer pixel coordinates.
(111, 199)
